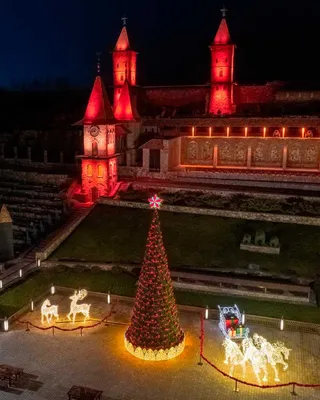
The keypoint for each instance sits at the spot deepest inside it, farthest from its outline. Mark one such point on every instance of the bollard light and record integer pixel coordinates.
(243, 318)
(206, 314)
(52, 289)
(38, 262)
(20, 273)
(31, 305)
(281, 324)
(109, 298)
(0, 284)
(5, 324)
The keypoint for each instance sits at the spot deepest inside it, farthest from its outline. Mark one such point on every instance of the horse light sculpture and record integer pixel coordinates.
(256, 358)
(75, 308)
(275, 353)
(48, 311)
(234, 356)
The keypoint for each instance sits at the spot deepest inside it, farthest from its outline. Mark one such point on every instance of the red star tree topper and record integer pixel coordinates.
(155, 322)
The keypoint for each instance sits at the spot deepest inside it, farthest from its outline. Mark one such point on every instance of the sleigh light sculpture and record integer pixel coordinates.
(75, 308)
(230, 323)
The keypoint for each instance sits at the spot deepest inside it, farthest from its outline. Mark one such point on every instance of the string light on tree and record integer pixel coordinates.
(155, 333)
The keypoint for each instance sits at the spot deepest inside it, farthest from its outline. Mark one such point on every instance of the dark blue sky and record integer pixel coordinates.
(42, 39)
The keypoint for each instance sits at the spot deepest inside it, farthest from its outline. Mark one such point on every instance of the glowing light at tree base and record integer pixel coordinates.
(154, 355)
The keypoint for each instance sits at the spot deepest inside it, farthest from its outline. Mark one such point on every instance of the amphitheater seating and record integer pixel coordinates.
(35, 210)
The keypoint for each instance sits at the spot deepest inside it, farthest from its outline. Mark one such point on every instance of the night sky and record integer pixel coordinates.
(48, 39)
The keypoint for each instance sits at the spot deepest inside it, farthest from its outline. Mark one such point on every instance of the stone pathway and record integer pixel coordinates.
(98, 359)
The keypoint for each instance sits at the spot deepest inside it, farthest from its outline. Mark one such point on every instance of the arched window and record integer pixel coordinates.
(122, 77)
(100, 171)
(220, 73)
(89, 170)
(94, 149)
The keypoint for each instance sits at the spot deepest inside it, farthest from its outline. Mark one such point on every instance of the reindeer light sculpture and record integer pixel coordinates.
(48, 311)
(75, 308)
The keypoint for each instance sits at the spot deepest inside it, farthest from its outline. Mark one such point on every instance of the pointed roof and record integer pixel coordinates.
(125, 109)
(4, 215)
(98, 110)
(123, 41)
(223, 34)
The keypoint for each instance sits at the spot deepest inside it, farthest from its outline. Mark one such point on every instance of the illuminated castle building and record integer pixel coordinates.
(199, 131)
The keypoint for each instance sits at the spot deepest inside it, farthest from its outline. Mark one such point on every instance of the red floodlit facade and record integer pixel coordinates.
(124, 64)
(99, 162)
(222, 66)
(125, 109)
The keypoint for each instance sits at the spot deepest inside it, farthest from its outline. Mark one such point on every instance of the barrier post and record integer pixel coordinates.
(201, 339)
(236, 386)
(27, 330)
(294, 393)
(52, 330)
(81, 328)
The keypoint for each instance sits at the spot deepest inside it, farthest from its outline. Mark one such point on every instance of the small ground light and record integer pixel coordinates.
(243, 318)
(38, 262)
(206, 315)
(31, 305)
(109, 298)
(5, 325)
(0, 284)
(281, 324)
(53, 289)
(20, 273)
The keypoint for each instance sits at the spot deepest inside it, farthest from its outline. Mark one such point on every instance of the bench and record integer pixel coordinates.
(84, 393)
(18, 372)
(10, 374)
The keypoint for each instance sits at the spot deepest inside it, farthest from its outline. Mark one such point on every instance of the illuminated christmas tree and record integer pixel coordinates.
(155, 332)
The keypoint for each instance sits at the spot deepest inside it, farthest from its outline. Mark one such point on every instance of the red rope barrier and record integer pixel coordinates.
(239, 380)
(68, 329)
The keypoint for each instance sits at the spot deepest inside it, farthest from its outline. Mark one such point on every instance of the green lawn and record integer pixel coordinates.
(118, 234)
(124, 284)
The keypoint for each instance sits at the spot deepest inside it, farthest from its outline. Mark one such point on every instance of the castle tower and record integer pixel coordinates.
(6, 235)
(124, 63)
(125, 109)
(99, 162)
(222, 65)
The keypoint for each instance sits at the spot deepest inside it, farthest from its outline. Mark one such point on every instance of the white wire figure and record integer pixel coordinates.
(48, 311)
(257, 359)
(233, 356)
(276, 353)
(75, 308)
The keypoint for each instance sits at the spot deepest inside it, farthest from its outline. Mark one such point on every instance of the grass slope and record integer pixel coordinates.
(124, 284)
(118, 234)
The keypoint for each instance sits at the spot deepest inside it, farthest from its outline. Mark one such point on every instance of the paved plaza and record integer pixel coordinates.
(98, 359)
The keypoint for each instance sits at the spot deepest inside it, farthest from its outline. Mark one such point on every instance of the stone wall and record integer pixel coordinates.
(254, 94)
(270, 153)
(177, 96)
(289, 219)
(174, 156)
